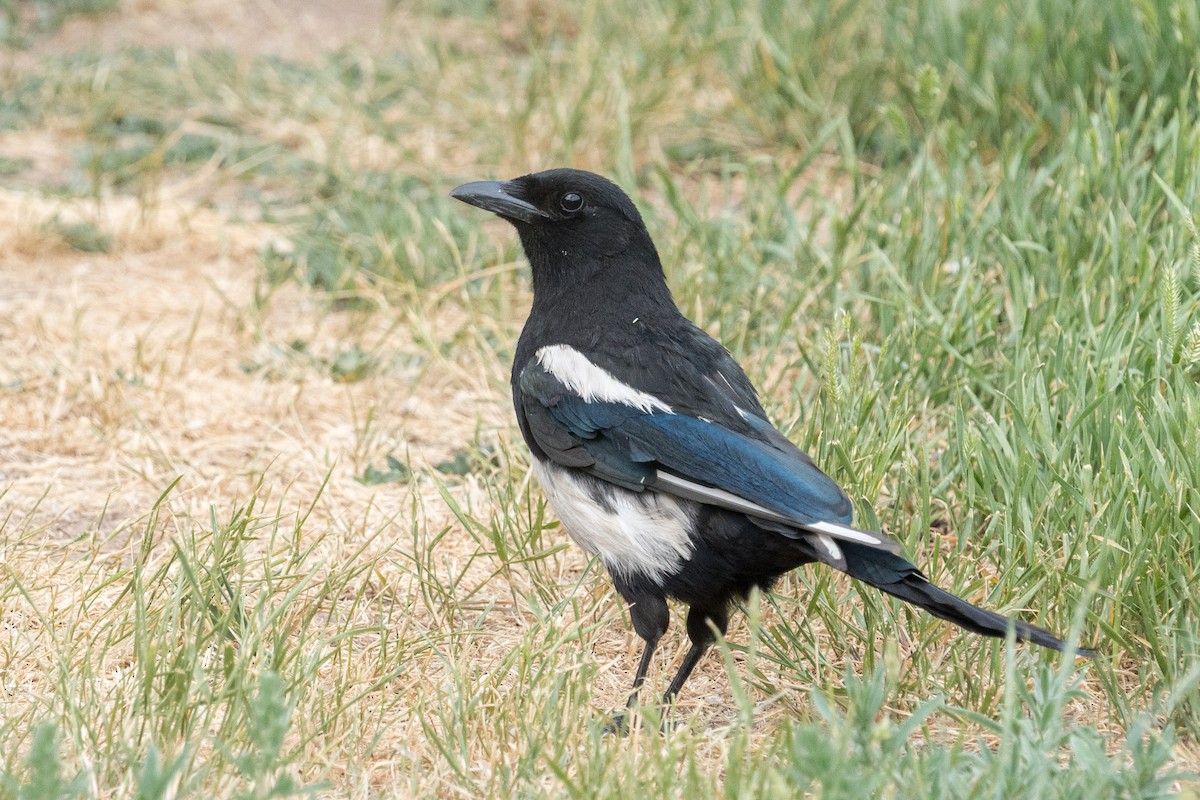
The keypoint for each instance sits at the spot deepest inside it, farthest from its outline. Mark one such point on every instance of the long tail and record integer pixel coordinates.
(893, 574)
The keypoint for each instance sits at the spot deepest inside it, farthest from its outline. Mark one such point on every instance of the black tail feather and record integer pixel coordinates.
(920, 592)
(896, 576)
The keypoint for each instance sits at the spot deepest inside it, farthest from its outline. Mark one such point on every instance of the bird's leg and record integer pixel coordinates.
(702, 637)
(694, 654)
(643, 666)
(650, 619)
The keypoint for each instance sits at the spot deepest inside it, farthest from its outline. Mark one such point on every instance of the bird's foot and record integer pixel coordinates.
(618, 724)
(622, 723)
(670, 724)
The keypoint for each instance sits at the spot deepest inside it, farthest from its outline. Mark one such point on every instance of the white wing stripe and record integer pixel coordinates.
(842, 532)
(829, 530)
(719, 497)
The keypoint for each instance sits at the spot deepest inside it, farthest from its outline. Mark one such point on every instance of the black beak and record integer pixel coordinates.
(499, 198)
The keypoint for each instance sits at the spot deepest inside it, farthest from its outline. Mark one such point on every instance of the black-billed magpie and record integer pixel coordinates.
(650, 442)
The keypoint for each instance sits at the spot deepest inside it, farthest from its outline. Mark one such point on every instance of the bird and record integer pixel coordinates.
(651, 444)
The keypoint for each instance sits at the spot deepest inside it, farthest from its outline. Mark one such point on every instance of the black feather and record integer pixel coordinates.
(896, 576)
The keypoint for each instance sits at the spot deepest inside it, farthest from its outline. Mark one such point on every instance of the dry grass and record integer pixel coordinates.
(127, 372)
(166, 360)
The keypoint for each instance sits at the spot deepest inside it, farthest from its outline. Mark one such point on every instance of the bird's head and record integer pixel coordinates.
(563, 216)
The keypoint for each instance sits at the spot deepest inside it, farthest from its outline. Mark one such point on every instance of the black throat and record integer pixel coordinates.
(593, 294)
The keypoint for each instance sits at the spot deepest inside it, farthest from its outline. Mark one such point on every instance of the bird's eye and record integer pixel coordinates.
(571, 202)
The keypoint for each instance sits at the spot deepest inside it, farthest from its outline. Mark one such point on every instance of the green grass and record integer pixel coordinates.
(22, 20)
(955, 245)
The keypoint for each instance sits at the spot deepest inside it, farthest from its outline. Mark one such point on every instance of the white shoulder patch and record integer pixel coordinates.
(593, 382)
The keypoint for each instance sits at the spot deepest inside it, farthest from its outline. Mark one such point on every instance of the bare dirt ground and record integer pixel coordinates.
(130, 363)
(293, 29)
(130, 371)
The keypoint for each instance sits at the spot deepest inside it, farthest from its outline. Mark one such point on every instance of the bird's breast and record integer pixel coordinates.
(647, 534)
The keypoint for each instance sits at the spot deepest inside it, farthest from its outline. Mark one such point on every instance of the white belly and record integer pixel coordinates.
(634, 533)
